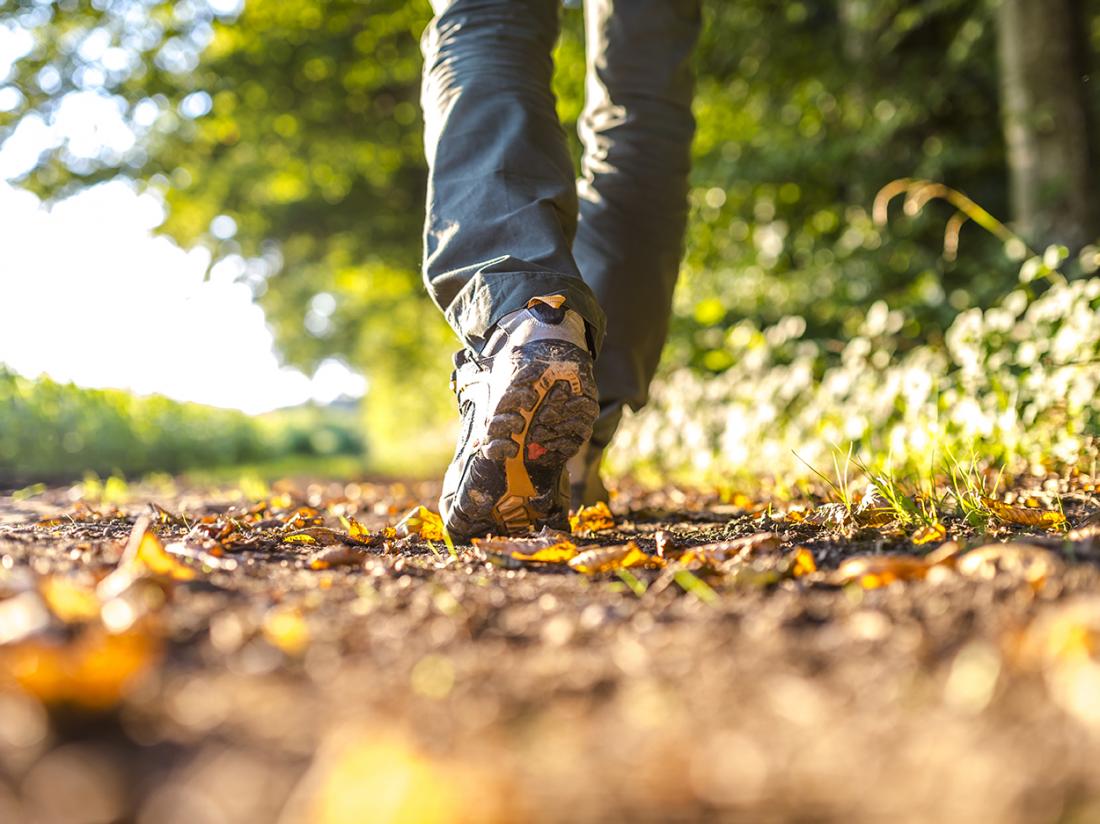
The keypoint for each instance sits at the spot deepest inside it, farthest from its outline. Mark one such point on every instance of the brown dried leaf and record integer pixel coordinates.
(548, 547)
(873, 510)
(831, 515)
(163, 516)
(1021, 516)
(709, 554)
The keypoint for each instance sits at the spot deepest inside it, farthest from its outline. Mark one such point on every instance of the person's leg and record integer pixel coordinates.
(501, 218)
(502, 204)
(637, 129)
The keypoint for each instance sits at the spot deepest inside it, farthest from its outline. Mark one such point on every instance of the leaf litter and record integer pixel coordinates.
(335, 599)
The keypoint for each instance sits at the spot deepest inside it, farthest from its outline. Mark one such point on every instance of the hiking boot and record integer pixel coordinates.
(528, 403)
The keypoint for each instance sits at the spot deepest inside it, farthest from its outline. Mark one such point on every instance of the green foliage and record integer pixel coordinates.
(287, 138)
(1016, 383)
(58, 431)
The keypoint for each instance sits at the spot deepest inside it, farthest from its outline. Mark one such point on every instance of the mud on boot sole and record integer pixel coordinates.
(545, 408)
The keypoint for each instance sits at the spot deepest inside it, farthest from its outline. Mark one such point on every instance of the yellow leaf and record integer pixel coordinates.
(592, 518)
(612, 558)
(1022, 516)
(422, 522)
(151, 554)
(285, 628)
(556, 554)
(928, 534)
(299, 538)
(706, 554)
(71, 602)
(553, 548)
(803, 563)
(144, 555)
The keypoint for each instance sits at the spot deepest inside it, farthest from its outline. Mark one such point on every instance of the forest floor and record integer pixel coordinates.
(212, 658)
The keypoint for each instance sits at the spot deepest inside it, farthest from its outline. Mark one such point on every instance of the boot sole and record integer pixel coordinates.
(545, 413)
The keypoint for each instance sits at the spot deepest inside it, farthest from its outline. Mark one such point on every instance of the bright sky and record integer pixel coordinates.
(91, 295)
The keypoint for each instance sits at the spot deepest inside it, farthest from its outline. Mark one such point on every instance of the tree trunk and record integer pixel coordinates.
(1047, 125)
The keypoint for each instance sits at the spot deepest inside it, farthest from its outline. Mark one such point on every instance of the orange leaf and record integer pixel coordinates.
(803, 563)
(614, 558)
(593, 518)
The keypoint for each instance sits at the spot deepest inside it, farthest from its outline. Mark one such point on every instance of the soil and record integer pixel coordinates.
(403, 684)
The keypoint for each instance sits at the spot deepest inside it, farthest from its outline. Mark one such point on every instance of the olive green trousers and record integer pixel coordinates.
(507, 221)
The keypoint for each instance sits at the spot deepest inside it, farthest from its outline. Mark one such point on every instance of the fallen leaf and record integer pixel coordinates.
(314, 535)
(833, 515)
(612, 558)
(1032, 563)
(94, 670)
(874, 510)
(1021, 516)
(144, 555)
(928, 534)
(593, 518)
(803, 563)
(150, 553)
(358, 533)
(421, 522)
(70, 601)
(724, 550)
(163, 516)
(873, 571)
(548, 547)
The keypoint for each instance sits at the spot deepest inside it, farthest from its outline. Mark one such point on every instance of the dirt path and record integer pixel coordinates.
(394, 682)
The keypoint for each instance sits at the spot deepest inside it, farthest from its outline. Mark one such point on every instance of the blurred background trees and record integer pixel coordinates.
(285, 136)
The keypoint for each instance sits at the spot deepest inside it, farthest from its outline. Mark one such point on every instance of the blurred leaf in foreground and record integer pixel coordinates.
(95, 670)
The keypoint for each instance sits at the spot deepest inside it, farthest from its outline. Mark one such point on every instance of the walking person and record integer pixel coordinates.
(560, 290)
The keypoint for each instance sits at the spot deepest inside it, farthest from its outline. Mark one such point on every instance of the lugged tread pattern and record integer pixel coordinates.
(546, 421)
